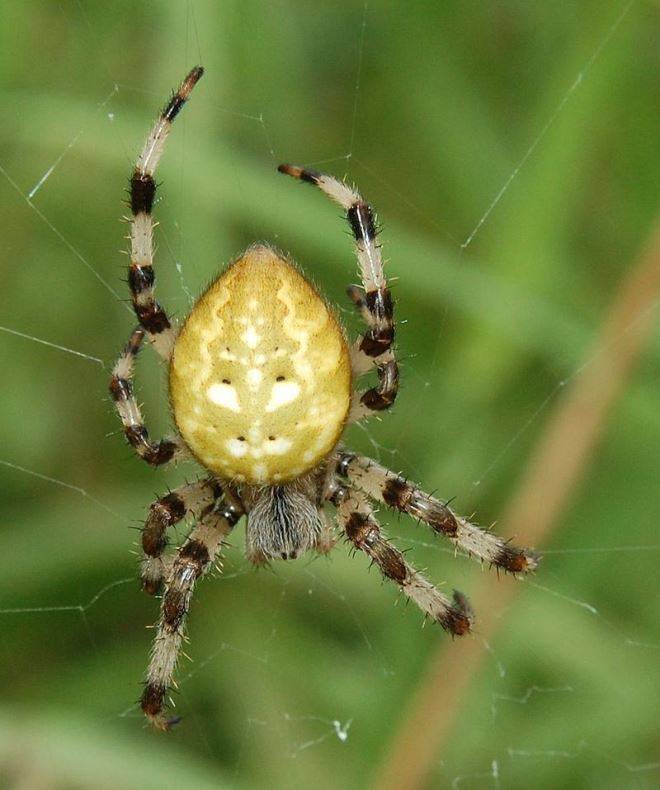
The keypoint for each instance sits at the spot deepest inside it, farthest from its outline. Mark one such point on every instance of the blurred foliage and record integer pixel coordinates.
(454, 100)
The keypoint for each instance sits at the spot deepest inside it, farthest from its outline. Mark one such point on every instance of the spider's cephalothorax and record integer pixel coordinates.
(262, 385)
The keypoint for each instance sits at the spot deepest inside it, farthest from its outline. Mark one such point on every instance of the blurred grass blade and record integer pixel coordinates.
(556, 468)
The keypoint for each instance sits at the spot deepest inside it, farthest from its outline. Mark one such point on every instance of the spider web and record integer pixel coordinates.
(329, 732)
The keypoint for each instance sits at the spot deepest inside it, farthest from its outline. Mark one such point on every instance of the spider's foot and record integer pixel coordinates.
(152, 575)
(515, 560)
(459, 618)
(300, 173)
(151, 586)
(154, 709)
(164, 723)
(192, 78)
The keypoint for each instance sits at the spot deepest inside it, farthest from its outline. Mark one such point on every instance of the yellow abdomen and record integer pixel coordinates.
(260, 378)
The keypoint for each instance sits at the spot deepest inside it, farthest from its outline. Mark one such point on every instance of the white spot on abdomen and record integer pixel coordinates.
(283, 392)
(223, 395)
(277, 446)
(251, 337)
(236, 447)
(254, 377)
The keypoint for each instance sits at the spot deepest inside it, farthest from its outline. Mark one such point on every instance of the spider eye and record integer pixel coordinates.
(226, 381)
(271, 438)
(241, 438)
(280, 378)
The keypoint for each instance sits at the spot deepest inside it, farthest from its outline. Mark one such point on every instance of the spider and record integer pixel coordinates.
(262, 385)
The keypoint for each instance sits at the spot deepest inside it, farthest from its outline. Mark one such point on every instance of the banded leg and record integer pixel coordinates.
(143, 190)
(384, 486)
(192, 499)
(374, 300)
(121, 390)
(361, 528)
(192, 561)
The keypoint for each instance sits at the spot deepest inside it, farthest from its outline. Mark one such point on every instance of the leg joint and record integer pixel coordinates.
(345, 460)
(152, 317)
(362, 221)
(120, 389)
(143, 190)
(140, 278)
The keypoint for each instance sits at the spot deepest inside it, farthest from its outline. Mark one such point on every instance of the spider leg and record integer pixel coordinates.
(328, 535)
(191, 499)
(373, 299)
(141, 277)
(193, 559)
(121, 390)
(359, 523)
(395, 491)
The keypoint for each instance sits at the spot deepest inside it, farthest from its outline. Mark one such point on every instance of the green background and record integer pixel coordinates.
(431, 108)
